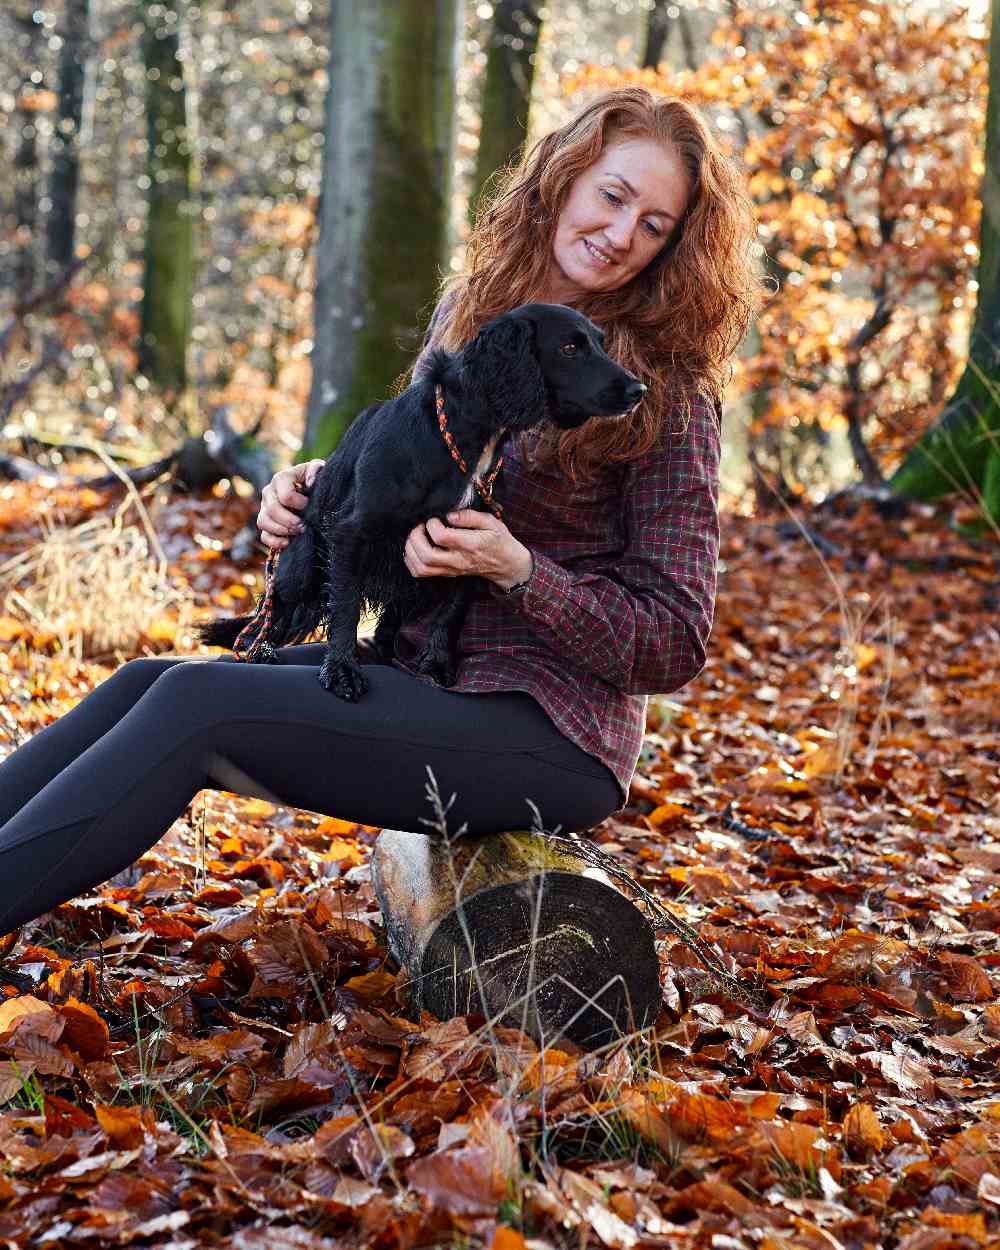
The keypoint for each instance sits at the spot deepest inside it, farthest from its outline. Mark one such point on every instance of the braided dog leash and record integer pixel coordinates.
(483, 485)
(258, 650)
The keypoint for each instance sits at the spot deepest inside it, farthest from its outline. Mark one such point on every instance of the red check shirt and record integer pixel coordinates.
(619, 604)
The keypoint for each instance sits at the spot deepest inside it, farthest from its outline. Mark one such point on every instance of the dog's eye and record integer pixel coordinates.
(568, 349)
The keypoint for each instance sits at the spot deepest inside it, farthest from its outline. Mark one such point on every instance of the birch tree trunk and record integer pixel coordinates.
(384, 202)
(961, 451)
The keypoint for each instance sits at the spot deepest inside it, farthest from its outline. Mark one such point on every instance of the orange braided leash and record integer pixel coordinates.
(259, 648)
(483, 485)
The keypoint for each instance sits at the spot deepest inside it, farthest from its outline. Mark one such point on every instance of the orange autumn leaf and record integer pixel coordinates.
(971, 1224)
(548, 1068)
(124, 1126)
(862, 1131)
(967, 980)
(85, 1031)
(371, 985)
(702, 1117)
(258, 809)
(334, 824)
(507, 1238)
(650, 1122)
(162, 629)
(340, 852)
(10, 629)
(666, 815)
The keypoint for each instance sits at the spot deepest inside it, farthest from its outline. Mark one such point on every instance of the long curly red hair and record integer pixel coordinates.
(675, 324)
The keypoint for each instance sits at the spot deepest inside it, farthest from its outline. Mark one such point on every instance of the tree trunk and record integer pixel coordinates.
(169, 259)
(871, 474)
(26, 156)
(656, 34)
(64, 180)
(384, 204)
(510, 67)
(544, 924)
(961, 451)
(664, 18)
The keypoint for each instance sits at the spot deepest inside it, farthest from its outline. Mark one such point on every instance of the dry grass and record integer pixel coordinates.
(98, 589)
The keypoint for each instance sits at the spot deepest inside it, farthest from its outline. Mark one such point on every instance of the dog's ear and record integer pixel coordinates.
(505, 369)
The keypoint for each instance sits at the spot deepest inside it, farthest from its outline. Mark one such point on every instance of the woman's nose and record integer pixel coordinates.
(619, 232)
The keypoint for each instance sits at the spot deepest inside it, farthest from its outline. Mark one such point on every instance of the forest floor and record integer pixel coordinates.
(211, 1050)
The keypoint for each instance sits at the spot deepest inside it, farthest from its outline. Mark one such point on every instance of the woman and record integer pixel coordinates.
(597, 585)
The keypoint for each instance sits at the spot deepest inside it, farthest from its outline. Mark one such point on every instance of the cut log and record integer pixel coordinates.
(519, 930)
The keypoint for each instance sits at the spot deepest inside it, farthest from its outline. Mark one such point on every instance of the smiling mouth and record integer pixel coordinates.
(601, 257)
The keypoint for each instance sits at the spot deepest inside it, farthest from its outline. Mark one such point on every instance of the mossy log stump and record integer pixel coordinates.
(516, 929)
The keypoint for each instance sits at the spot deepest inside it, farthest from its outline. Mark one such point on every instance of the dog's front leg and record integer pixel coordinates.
(437, 659)
(386, 630)
(340, 672)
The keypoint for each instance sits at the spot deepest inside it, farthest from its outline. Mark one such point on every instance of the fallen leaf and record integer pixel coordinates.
(862, 1131)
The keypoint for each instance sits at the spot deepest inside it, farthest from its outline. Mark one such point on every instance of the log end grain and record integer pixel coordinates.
(556, 954)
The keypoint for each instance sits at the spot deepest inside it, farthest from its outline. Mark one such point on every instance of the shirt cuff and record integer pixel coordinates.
(544, 592)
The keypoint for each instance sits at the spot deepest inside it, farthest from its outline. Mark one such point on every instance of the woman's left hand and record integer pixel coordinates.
(471, 543)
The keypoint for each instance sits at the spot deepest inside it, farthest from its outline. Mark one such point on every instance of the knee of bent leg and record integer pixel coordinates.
(139, 675)
(196, 692)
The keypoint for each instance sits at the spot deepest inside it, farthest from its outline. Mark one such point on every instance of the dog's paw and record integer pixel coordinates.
(440, 667)
(343, 679)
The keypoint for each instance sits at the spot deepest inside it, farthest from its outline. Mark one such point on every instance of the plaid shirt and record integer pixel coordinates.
(620, 601)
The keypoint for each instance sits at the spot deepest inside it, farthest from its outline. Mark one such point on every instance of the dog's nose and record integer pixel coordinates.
(635, 391)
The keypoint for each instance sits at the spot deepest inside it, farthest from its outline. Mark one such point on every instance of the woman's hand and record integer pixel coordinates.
(471, 542)
(281, 502)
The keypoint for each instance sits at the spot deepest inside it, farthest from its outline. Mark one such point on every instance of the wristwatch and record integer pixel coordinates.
(521, 587)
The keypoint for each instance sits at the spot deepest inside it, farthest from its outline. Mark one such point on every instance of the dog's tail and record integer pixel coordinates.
(296, 602)
(224, 632)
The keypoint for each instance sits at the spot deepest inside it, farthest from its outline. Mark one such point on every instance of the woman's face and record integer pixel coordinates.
(619, 213)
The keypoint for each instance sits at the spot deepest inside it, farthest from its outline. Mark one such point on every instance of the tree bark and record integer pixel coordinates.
(169, 255)
(661, 25)
(545, 926)
(384, 203)
(961, 450)
(74, 57)
(657, 29)
(865, 462)
(510, 67)
(26, 175)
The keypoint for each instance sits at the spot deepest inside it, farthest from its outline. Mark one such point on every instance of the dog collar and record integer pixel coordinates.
(483, 486)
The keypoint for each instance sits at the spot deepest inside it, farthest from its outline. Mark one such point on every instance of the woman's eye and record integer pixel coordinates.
(613, 199)
(568, 349)
(651, 229)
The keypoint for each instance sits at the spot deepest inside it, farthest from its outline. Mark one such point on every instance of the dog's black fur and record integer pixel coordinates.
(392, 470)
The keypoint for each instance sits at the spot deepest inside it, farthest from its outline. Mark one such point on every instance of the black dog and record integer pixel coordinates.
(431, 450)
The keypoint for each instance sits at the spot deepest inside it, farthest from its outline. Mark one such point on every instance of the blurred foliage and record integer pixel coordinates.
(859, 125)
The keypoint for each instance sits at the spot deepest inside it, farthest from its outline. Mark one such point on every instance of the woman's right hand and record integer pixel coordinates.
(281, 502)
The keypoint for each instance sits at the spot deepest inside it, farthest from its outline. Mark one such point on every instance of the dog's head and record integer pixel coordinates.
(551, 360)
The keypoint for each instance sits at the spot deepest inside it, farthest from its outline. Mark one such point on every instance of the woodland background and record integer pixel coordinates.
(202, 279)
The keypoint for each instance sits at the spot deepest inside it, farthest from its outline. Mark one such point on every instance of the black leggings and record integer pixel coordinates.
(88, 795)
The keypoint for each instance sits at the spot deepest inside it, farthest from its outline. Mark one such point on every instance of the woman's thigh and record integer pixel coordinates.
(371, 761)
(276, 730)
